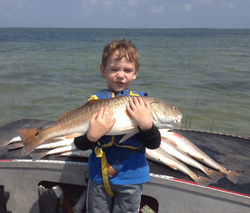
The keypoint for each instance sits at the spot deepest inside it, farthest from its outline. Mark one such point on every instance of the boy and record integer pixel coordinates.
(117, 171)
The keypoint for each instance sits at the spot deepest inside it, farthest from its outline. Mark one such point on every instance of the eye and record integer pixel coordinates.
(174, 107)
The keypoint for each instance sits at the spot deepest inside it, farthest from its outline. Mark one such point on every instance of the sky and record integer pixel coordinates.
(125, 13)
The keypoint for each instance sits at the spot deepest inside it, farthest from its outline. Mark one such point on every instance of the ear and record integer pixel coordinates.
(136, 73)
(103, 71)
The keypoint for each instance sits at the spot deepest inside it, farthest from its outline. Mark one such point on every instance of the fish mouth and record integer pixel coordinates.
(178, 120)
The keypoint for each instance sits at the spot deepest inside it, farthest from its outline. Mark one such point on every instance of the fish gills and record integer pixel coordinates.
(31, 139)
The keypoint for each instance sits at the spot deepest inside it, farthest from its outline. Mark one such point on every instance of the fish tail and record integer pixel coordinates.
(16, 145)
(31, 139)
(215, 175)
(234, 176)
(37, 155)
(3, 143)
(203, 181)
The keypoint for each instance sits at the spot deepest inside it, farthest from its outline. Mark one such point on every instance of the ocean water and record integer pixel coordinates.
(204, 72)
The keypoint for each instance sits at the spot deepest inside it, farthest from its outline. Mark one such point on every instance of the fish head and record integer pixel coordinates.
(165, 115)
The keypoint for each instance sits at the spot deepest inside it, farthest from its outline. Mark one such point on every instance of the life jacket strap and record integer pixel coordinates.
(99, 153)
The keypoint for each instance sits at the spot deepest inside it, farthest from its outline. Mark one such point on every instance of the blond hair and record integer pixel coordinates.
(125, 49)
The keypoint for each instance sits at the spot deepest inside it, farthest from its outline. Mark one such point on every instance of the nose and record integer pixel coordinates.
(120, 74)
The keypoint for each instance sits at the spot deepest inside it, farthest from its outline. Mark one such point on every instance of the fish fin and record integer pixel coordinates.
(38, 155)
(70, 153)
(213, 174)
(234, 176)
(4, 143)
(15, 145)
(130, 128)
(177, 135)
(126, 112)
(68, 113)
(31, 139)
(165, 162)
(203, 181)
(164, 138)
(16, 139)
(170, 165)
(13, 140)
(55, 139)
(196, 157)
(125, 137)
(89, 103)
(169, 141)
(7, 142)
(158, 157)
(73, 136)
(77, 153)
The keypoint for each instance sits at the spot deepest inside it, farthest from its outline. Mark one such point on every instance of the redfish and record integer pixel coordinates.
(164, 158)
(76, 123)
(179, 155)
(185, 145)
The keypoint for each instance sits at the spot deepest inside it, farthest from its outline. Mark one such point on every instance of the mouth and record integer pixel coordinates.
(178, 120)
(119, 83)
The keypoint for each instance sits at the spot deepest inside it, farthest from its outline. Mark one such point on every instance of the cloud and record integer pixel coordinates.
(93, 4)
(132, 3)
(108, 3)
(156, 8)
(227, 4)
(135, 2)
(213, 3)
(16, 3)
(131, 14)
(127, 7)
(204, 2)
(128, 13)
(187, 7)
(89, 4)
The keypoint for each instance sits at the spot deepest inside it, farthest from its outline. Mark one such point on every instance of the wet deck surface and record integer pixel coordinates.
(231, 152)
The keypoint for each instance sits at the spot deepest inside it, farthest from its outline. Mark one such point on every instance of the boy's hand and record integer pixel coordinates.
(100, 124)
(140, 112)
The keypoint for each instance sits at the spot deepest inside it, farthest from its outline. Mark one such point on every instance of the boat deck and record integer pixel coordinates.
(231, 151)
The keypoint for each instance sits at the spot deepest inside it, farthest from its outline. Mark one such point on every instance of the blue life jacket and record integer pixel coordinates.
(127, 160)
(133, 142)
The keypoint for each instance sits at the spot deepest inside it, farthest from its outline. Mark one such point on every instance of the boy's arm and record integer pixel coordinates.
(151, 138)
(83, 143)
(99, 125)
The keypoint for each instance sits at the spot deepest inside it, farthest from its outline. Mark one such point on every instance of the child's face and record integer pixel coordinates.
(119, 73)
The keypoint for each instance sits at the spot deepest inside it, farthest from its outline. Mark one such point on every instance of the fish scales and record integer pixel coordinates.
(183, 144)
(76, 122)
